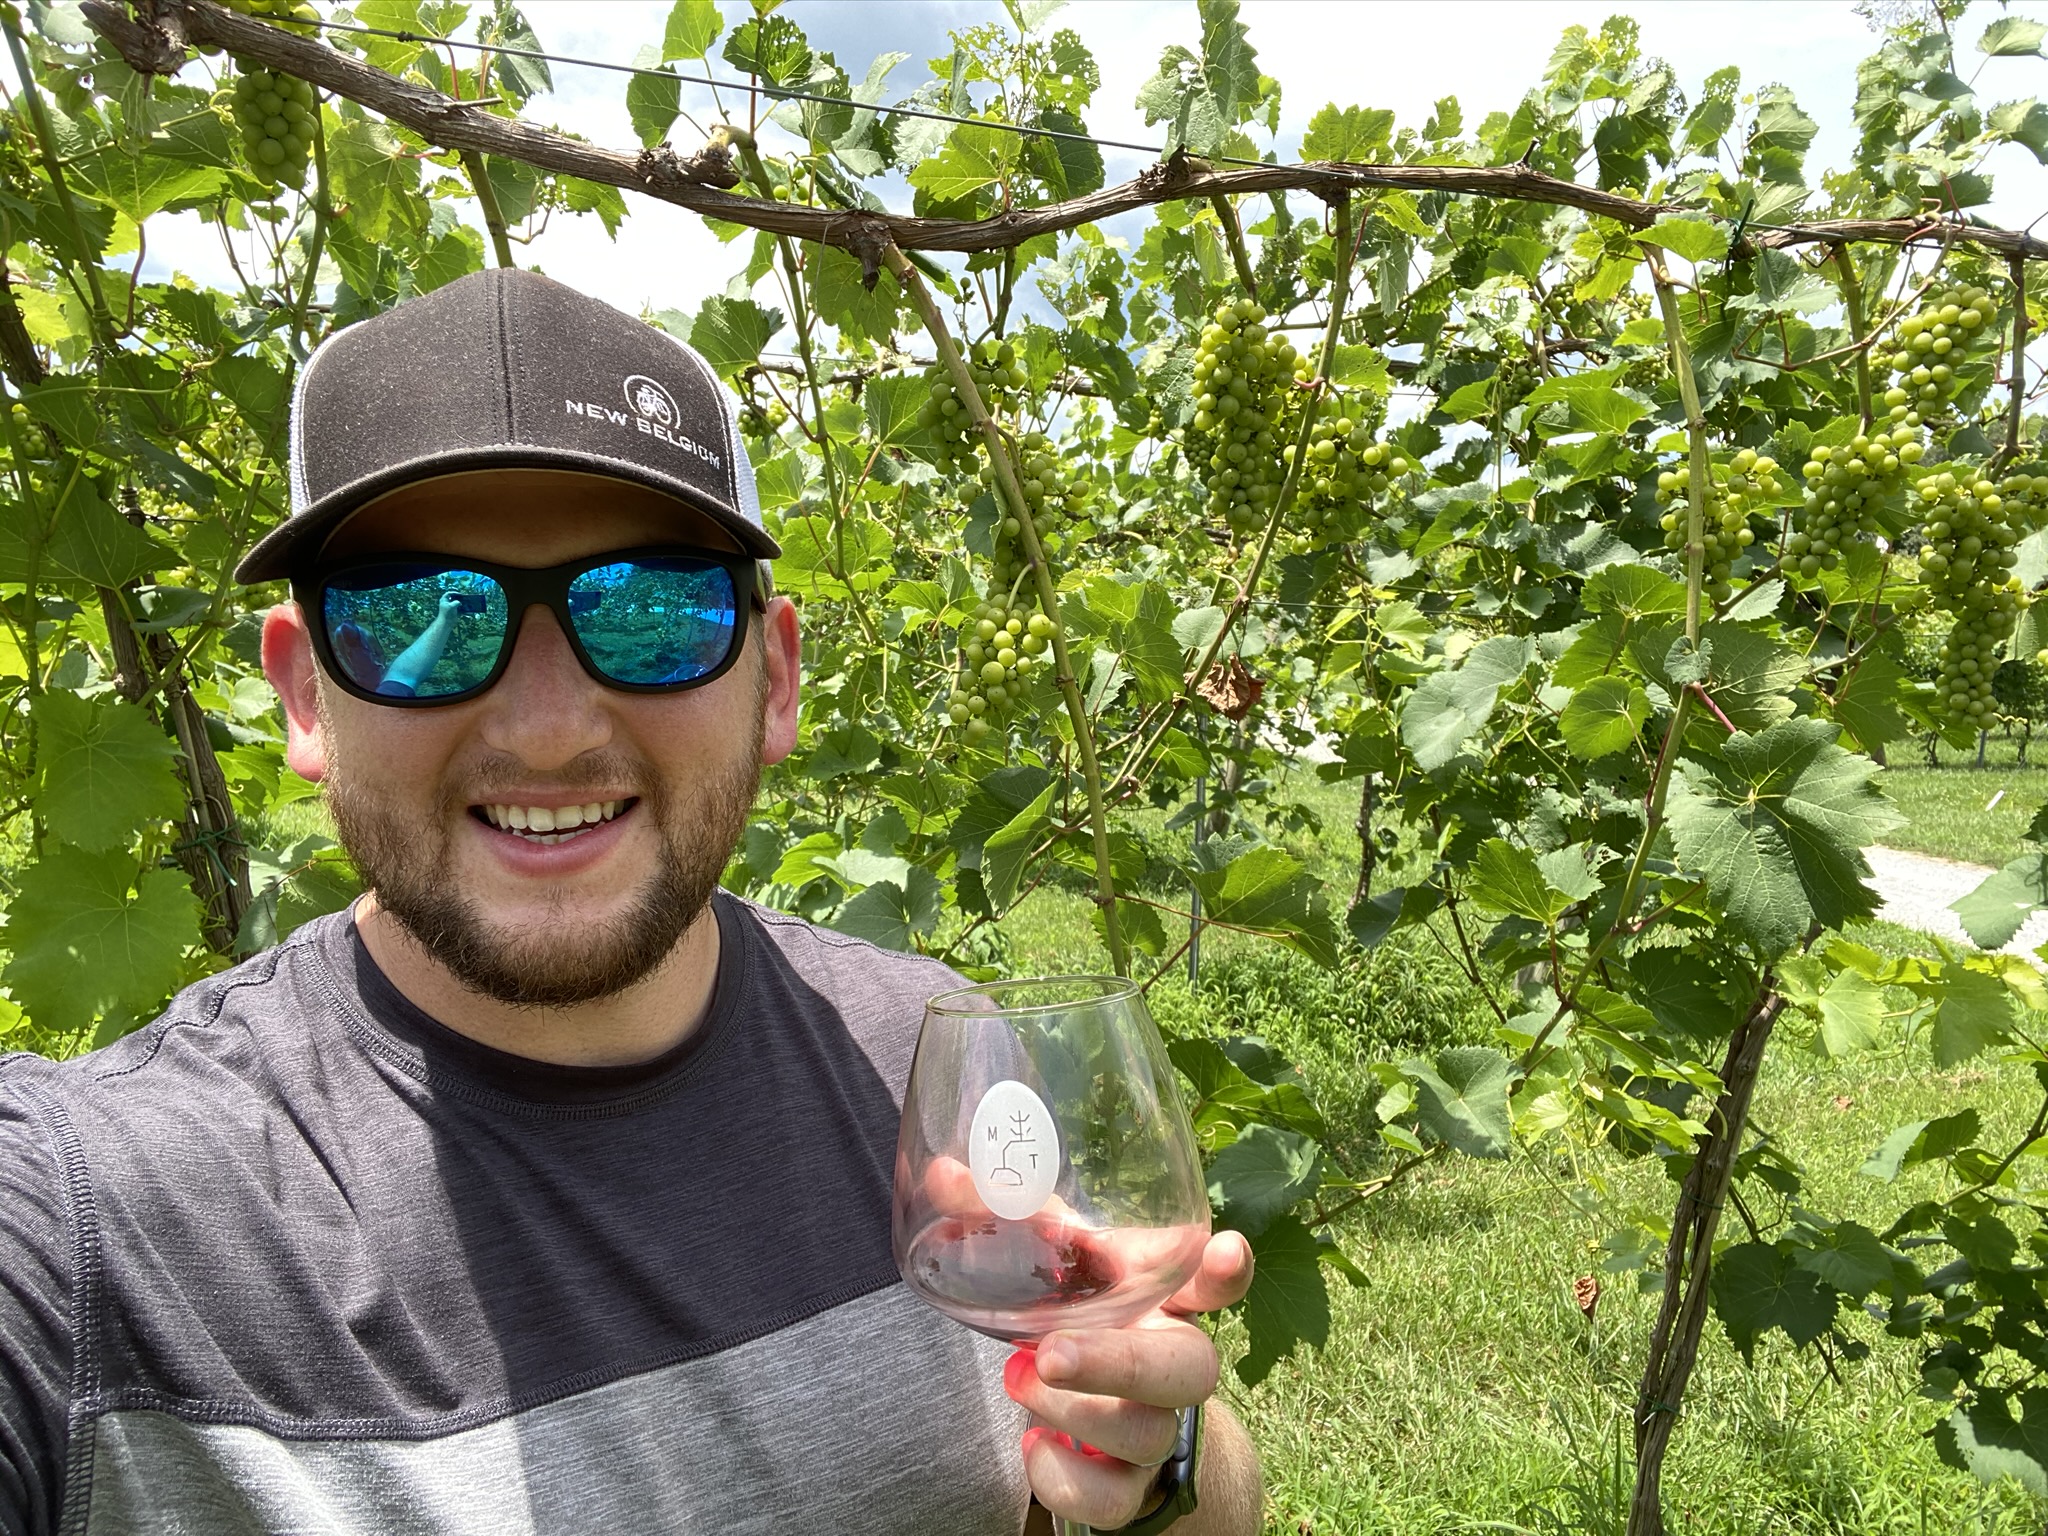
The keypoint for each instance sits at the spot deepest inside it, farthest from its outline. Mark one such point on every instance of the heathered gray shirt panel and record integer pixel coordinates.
(317, 1247)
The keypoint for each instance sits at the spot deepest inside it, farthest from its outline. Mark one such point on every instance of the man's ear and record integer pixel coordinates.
(782, 651)
(289, 663)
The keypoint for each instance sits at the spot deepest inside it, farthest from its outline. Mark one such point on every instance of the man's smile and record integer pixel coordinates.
(551, 824)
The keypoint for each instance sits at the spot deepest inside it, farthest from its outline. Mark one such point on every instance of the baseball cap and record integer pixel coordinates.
(505, 369)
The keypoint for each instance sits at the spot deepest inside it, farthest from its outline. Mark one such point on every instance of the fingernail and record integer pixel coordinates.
(1057, 1362)
(1016, 1370)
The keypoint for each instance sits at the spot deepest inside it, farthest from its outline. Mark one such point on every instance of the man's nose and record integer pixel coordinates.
(546, 710)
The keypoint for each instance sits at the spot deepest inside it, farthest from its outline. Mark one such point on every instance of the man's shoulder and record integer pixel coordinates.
(214, 1036)
(877, 994)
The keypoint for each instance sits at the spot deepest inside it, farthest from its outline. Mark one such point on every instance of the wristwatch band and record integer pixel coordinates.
(1176, 1480)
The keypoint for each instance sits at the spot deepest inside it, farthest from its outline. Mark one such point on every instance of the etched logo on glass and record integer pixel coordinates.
(1013, 1151)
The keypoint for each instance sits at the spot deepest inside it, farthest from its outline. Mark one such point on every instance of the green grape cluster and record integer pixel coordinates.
(998, 375)
(1846, 488)
(1347, 473)
(276, 115)
(1738, 489)
(295, 15)
(1058, 499)
(2025, 493)
(1966, 561)
(1234, 441)
(1001, 644)
(1929, 345)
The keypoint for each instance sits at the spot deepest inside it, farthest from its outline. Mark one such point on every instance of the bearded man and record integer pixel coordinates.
(548, 1188)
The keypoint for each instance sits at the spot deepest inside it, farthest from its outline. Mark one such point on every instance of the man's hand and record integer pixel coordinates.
(1117, 1391)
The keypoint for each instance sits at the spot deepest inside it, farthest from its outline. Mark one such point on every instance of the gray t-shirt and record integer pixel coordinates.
(297, 1258)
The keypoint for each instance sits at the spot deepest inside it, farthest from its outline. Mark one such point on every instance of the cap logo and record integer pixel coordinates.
(652, 402)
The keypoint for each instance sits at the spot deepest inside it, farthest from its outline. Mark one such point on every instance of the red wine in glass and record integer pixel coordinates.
(1046, 1171)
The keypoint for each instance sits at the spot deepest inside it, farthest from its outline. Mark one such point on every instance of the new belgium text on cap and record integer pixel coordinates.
(505, 369)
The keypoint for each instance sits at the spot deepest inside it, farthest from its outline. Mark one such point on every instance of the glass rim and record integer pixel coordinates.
(1087, 989)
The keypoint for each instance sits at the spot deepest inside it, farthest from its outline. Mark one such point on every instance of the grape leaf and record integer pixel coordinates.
(693, 26)
(1462, 1099)
(1288, 1303)
(654, 97)
(1982, 1436)
(1511, 879)
(105, 770)
(1923, 1141)
(1867, 704)
(1447, 707)
(1777, 827)
(2003, 901)
(1851, 1015)
(892, 912)
(377, 176)
(1261, 1174)
(1696, 240)
(1229, 65)
(1269, 892)
(1347, 133)
(2012, 37)
(1009, 848)
(1759, 1286)
(730, 333)
(1604, 716)
(84, 946)
(141, 184)
(1973, 1014)
(773, 47)
(1847, 1256)
(973, 157)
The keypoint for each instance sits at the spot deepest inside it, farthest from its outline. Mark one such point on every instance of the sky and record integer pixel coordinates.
(1390, 55)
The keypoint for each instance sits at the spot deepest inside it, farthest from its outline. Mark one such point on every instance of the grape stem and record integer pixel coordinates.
(1048, 592)
(2010, 449)
(46, 143)
(487, 199)
(1852, 302)
(1226, 215)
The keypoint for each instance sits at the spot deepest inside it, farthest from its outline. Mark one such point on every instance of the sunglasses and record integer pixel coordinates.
(414, 630)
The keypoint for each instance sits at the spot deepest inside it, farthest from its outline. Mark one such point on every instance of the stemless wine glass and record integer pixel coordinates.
(1046, 1172)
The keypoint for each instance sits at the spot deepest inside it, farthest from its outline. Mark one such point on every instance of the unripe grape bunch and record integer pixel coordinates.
(276, 115)
(1347, 473)
(1930, 343)
(1234, 440)
(1966, 561)
(1002, 643)
(1742, 487)
(1847, 487)
(998, 375)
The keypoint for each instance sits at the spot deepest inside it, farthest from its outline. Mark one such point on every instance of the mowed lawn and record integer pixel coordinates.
(1462, 1390)
(1959, 811)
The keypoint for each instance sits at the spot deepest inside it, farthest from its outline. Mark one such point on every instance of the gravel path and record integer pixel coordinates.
(1917, 888)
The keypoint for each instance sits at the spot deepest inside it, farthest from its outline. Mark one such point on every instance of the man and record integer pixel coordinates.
(547, 1190)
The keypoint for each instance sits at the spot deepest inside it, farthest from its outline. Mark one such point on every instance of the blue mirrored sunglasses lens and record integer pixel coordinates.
(414, 631)
(648, 622)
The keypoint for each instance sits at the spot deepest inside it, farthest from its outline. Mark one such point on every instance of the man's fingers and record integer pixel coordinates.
(1135, 1432)
(1095, 1489)
(1167, 1363)
(1225, 1275)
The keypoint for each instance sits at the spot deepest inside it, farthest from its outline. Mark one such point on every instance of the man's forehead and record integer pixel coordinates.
(522, 517)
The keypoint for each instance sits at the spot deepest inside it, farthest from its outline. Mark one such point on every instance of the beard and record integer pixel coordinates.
(404, 855)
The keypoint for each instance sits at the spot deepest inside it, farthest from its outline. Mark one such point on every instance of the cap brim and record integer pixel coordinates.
(295, 542)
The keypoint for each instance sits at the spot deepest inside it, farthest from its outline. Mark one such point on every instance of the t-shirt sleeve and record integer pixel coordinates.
(35, 1318)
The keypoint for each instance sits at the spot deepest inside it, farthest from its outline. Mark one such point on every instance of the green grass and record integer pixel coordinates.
(1961, 811)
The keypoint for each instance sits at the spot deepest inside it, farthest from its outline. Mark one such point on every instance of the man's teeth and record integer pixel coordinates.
(551, 823)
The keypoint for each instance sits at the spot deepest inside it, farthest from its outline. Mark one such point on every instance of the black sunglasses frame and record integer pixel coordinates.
(525, 587)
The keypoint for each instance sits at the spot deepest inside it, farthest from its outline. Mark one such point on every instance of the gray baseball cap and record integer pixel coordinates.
(506, 369)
